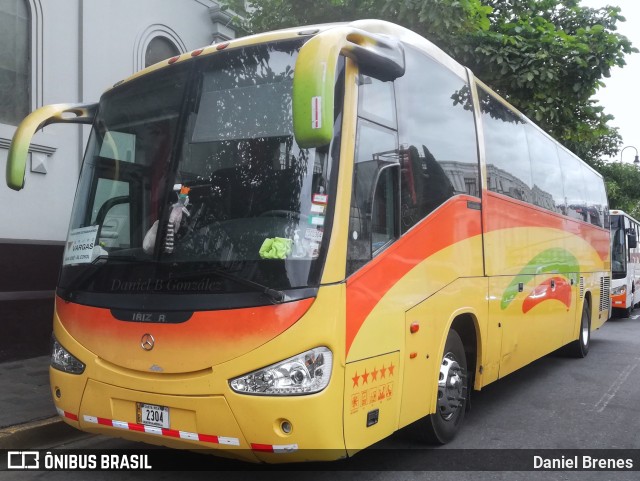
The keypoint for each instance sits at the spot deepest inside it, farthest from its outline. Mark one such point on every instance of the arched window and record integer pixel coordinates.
(15, 61)
(159, 48)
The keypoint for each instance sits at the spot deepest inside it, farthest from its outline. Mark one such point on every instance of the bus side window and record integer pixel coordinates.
(574, 185)
(506, 148)
(438, 151)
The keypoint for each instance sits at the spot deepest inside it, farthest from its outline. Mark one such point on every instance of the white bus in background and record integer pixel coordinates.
(625, 262)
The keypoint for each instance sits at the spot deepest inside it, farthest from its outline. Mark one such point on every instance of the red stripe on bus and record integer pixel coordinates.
(455, 222)
(208, 438)
(171, 433)
(265, 448)
(105, 422)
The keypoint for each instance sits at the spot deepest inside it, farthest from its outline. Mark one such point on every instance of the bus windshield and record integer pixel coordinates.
(618, 247)
(193, 184)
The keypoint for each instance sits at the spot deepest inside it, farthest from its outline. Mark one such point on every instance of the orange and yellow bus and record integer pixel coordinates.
(625, 262)
(290, 245)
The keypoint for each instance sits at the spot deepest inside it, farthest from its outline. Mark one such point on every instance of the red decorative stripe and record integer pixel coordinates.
(105, 422)
(207, 438)
(451, 223)
(265, 448)
(172, 433)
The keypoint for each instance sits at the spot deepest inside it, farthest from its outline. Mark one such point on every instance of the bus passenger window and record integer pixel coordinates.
(506, 149)
(438, 138)
(574, 185)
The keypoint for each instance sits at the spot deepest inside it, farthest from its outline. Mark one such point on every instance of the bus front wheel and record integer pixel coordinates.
(442, 426)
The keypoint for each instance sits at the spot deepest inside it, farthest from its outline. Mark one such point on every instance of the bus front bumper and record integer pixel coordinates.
(203, 423)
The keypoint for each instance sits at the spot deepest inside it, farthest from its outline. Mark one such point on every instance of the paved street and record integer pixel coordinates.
(556, 402)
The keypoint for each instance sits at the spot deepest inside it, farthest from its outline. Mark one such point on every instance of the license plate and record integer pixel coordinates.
(152, 415)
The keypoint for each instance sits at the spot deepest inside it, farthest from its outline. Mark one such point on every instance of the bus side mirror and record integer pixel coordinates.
(632, 241)
(49, 114)
(314, 77)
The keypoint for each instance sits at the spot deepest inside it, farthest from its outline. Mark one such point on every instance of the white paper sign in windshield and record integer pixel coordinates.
(80, 244)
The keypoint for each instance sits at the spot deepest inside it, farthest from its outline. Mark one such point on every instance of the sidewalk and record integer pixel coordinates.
(28, 416)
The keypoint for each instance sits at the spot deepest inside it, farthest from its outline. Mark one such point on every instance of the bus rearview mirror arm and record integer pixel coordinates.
(314, 78)
(49, 114)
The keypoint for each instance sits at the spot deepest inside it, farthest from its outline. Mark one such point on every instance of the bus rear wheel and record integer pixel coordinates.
(580, 347)
(442, 426)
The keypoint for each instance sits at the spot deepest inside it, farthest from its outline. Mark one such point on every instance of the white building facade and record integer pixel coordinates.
(68, 51)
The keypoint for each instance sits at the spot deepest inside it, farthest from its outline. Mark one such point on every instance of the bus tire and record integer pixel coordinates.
(580, 347)
(452, 394)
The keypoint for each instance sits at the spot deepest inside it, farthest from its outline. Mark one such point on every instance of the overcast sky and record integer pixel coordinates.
(621, 96)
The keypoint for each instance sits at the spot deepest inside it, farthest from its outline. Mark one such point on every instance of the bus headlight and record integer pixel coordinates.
(616, 291)
(305, 373)
(63, 360)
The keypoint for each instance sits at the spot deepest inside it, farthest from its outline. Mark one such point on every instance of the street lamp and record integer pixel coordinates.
(636, 161)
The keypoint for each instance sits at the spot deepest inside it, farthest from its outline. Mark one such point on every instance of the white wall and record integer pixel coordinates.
(80, 48)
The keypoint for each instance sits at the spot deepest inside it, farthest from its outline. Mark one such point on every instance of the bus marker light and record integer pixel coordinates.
(195, 53)
(222, 46)
(415, 327)
(413, 355)
(173, 59)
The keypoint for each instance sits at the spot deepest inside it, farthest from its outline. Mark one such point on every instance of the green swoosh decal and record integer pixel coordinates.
(554, 261)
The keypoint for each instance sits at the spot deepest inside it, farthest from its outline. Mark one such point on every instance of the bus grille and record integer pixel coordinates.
(581, 287)
(605, 298)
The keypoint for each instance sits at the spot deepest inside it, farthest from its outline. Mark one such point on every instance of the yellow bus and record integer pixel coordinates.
(290, 245)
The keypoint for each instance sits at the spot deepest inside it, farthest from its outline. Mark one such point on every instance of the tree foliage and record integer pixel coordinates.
(623, 186)
(547, 57)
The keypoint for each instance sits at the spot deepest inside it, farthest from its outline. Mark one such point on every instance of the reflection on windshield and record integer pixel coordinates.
(195, 169)
(618, 245)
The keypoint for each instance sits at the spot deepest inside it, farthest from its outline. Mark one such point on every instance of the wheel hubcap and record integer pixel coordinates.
(452, 387)
(585, 332)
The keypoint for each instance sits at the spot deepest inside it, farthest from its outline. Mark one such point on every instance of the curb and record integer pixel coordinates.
(38, 434)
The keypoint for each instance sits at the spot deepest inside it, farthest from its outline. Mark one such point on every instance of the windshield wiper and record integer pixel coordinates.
(276, 296)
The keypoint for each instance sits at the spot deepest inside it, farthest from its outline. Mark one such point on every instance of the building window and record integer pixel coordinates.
(160, 48)
(15, 61)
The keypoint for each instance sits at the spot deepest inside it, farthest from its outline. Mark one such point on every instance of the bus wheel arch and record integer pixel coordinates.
(457, 368)
(466, 325)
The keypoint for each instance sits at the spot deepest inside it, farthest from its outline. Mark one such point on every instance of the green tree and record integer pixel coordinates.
(623, 186)
(547, 57)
